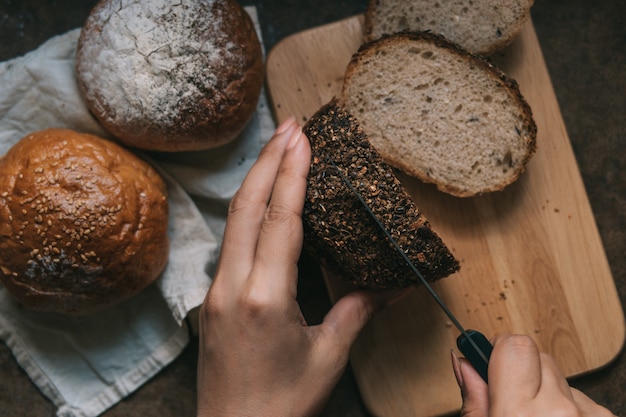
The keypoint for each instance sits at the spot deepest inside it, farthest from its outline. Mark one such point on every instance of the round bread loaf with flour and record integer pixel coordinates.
(170, 76)
(83, 222)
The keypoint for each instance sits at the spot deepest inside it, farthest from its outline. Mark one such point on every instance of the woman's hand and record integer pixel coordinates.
(258, 356)
(522, 382)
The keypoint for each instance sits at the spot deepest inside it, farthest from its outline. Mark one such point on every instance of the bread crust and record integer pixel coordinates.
(170, 80)
(83, 222)
(528, 131)
(490, 43)
(338, 230)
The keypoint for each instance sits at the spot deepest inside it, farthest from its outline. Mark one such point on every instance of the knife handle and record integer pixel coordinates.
(479, 360)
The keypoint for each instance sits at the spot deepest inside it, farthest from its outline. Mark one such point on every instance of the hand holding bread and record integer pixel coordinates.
(258, 356)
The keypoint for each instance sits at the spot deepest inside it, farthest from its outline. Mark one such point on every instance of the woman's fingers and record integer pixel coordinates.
(514, 372)
(474, 390)
(249, 205)
(345, 320)
(280, 239)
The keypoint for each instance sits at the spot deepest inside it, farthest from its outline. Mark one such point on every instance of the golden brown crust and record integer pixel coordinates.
(208, 95)
(338, 230)
(528, 131)
(83, 222)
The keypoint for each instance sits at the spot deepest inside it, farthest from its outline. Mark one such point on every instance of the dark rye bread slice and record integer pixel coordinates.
(338, 230)
(440, 113)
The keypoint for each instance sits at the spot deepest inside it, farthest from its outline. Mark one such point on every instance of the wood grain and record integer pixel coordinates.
(531, 257)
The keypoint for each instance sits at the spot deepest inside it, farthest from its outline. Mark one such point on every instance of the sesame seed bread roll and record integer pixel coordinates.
(83, 222)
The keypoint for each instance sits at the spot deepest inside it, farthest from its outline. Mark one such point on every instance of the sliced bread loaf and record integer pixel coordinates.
(481, 26)
(340, 233)
(440, 113)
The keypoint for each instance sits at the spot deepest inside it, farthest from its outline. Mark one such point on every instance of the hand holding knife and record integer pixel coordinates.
(473, 344)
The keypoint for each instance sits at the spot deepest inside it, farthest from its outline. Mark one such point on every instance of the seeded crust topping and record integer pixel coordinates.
(338, 229)
(83, 222)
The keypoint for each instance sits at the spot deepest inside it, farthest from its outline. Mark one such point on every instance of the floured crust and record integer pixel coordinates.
(83, 222)
(170, 76)
(339, 231)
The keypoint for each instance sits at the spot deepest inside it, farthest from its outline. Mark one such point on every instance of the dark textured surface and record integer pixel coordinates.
(584, 44)
(336, 222)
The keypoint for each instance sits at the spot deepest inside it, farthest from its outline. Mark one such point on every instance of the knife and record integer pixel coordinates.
(473, 344)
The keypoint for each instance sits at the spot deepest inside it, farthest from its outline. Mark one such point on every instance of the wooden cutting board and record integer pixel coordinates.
(531, 257)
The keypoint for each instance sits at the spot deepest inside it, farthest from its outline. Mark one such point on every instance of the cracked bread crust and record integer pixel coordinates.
(338, 230)
(170, 76)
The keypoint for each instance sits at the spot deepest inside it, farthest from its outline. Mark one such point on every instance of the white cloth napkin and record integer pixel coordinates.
(87, 364)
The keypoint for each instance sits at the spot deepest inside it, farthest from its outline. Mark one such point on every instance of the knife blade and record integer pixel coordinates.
(473, 344)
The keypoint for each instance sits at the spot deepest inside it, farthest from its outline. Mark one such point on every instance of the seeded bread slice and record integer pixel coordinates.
(338, 230)
(440, 113)
(481, 26)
